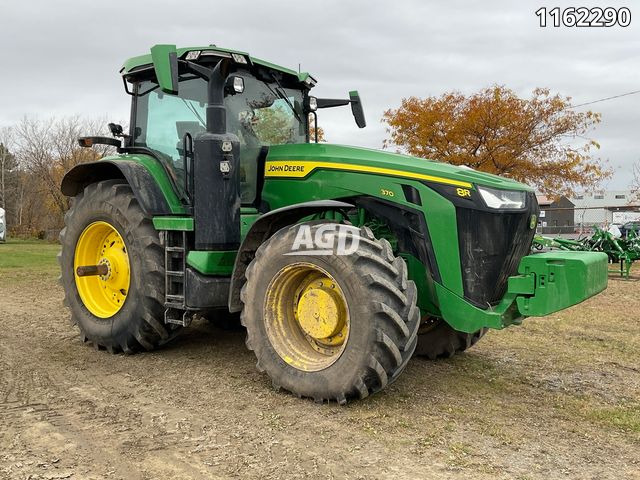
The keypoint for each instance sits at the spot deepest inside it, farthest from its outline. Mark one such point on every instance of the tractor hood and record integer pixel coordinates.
(299, 160)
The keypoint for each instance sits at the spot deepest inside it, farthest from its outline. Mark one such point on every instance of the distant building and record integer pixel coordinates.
(605, 207)
(556, 215)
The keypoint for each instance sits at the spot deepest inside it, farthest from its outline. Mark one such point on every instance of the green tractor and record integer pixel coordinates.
(343, 261)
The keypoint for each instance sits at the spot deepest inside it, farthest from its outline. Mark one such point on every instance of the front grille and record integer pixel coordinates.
(492, 243)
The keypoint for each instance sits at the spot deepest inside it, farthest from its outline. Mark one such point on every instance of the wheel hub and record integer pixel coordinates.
(101, 244)
(115, 258)
(319, 310)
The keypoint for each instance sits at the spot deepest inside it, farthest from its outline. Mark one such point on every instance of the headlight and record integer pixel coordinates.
(238, 84)
(239, 58)
(502, 198)
(313, 104)
(193, 55)
(234, 85)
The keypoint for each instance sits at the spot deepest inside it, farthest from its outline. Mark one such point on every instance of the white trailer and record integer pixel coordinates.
(3, 226)
(621, 218)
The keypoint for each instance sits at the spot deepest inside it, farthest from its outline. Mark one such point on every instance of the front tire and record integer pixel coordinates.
(330, 327)
(123, 310)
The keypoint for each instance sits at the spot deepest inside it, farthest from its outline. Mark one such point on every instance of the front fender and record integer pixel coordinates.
(262, 229)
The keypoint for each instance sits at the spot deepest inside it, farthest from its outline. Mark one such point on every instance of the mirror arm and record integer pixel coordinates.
(332, 102)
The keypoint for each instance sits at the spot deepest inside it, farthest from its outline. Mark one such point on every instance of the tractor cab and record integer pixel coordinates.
(261, 110)
(209, 116)
(264, 105)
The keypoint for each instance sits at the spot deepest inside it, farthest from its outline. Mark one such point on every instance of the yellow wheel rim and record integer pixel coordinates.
(306, 317)
(101, 244)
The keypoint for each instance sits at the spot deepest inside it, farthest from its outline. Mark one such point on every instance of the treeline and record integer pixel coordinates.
(34, 156)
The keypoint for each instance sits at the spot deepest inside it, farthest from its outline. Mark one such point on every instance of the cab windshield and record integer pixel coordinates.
(263, 114)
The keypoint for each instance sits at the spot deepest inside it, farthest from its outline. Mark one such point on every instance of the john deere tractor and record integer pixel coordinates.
(343, 262)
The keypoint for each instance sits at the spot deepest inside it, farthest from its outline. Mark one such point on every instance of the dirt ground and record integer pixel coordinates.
(558, 397)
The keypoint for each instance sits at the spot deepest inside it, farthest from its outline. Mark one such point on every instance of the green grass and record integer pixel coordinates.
(20, 257)
(624, 417)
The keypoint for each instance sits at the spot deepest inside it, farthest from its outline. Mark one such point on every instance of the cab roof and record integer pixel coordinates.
(135, 63)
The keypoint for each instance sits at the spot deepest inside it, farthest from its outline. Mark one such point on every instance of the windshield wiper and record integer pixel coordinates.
(195, 112)
(279, 92)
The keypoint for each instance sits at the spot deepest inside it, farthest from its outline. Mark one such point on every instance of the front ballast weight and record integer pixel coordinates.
(624, 251)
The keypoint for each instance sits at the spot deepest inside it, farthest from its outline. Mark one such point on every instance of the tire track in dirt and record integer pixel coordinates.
(199, 409)
(98, 424)
(63, 423)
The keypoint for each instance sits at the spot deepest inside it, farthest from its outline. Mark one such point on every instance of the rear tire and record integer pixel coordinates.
(380, 313)
(439, 340)
(139, 322)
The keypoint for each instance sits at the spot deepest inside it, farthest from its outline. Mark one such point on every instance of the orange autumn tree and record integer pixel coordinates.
(312, 130)
(539, 141)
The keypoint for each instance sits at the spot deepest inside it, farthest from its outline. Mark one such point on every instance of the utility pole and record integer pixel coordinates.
(2, 168)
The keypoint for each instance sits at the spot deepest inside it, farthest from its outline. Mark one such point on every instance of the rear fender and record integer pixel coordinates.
(145, 186)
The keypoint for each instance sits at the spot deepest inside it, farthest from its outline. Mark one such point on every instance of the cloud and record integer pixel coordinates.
(63, 57)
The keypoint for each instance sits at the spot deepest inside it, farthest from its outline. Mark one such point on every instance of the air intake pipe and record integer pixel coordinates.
(216, 173)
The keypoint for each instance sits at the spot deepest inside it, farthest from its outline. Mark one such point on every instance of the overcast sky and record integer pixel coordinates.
(62, 57)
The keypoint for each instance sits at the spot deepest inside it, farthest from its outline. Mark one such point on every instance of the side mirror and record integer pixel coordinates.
(165, 64)
(116, 130)
(356, 109)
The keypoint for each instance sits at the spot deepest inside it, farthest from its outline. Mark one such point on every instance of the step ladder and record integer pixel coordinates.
(176, 312)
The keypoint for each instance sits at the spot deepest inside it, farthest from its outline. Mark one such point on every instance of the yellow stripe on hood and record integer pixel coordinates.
(302, 168)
